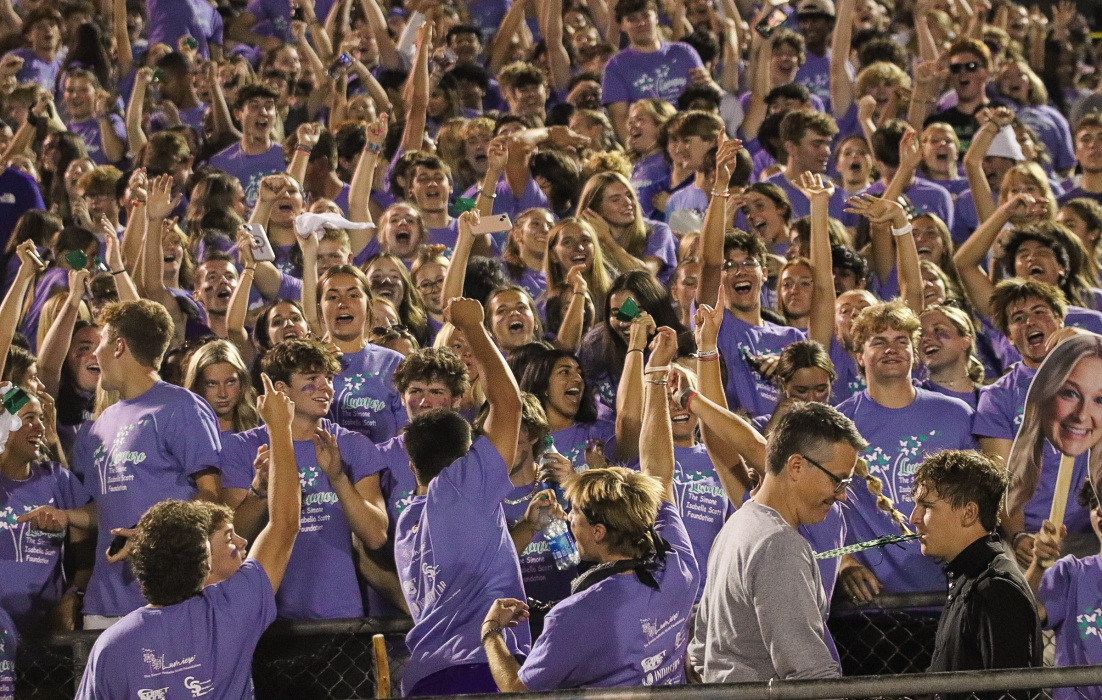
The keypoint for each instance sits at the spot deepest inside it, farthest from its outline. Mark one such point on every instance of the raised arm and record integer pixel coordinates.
(124, 283)
(629, 395)
(557, 58)
(55, 346)
(160, 205)
(124, 53)
(889, 221)
(306, 137)
(970, 255)
(819, 190)
(219, 110)
(324, 46)
(761, 58)
(982, 197)
(272, 549)
(309, 248)
(239, 305)
(497, 158)
(501, 44)
(417, 102)
(456, 276)
(502, 426)
(114, 150)
(134, 234)
(376, 22)
(361, 502)
(927, 47)
(656, 459)
(359, 190)
(11, 309)
(930, 77)
(714, 226)
(572, 327)
(841, 85)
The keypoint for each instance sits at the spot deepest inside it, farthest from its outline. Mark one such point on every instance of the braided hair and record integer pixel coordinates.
(876, 488)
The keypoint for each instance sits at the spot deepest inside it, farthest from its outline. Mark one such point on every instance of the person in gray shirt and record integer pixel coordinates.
(763, 609)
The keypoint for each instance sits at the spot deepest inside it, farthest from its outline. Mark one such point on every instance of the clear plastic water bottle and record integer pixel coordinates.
(546, 457)
(562, 545)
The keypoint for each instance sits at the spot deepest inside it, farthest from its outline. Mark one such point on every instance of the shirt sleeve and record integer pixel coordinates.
(614, 87)
(662, 244)
(1053, 592)
(236, 460)
(192, 436)
(991, 418)
(359, 454)
(70, 492)
(247, 596)
(480, 477)
(791, 623)
(562, 648)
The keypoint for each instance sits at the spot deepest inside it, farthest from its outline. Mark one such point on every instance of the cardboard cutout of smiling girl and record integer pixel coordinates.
(1064, 407)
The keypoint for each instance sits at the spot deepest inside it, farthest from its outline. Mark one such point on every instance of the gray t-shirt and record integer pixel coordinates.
(763, 610)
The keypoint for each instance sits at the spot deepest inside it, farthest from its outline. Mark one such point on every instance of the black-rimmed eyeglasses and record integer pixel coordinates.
(840, 484)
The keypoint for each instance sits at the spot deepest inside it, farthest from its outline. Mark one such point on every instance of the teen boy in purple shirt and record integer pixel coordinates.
(627, 523)
(159, 441)
(453, 549)
(189, 640)
(337, 470)
(649, 67)
(255, 155)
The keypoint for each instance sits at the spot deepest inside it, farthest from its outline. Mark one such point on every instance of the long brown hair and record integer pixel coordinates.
(634, 239)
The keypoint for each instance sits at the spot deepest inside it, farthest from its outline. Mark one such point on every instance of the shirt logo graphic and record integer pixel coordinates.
(158, 694)
(198, 688)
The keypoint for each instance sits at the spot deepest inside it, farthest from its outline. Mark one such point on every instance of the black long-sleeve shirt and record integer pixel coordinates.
(990, 618)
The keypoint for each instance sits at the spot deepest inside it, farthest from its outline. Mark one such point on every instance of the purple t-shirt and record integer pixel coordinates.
(9, 640)
(691, 198)
(54, 280)
(508, 203)
(632, 75)
(662, 244)
(746, 387)
(445, 236)
(203, 645)
(140, 452)
(965, 218)
(1071, 592)
(273, 18)
(452, 575)
(650, 176)
(642, 634)
(847, 378)
(926, 196)
(250, 169)
(1078, 192)
(815, 74)
(955, 187)
(35, 70)
(701, 502)
(31, 576)
(325, 538)
(170, 20)
(969, 397)
(19, 193)
(1054, 131)
(364, 397)
(532, 281)
(999, 415)
(543, 581)
(823, 537)
(899, 439)
(570, 442)
(93, 143)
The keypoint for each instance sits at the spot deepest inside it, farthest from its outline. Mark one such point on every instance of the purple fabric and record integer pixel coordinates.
(570, 442)
(250, 169)
(1071, 592)
(1087, 319)
(139, 452)
(89, 131)
(569, 655)
(31, 575)
(899, 439)
(926, 196)
(364, 398)
(325, 540)
(341, 200)
(1053, 129)
(507, 203)
(701, 502)
(662, 244)
(543, 581)
(815, 74)
(999, 415)
(18, 194)
(650, 176)
(965, 219)
(487, 15)
(533, 281)
(35, 70)
(847, 379)
(273, 18)
(451, 576)
(203, 644)
(746, 388)
(171, 19)
(446, 236)
(955, 187)
(823, 537)
(969, 397)
(53, 281)
(1078, 192)
(9, 642)
(632, 75)
(692, 198)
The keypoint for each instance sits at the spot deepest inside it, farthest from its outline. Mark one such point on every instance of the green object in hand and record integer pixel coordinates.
(461, 205)
(14, 400)
(191, 42)
(628, 311)
(158, 75)
(76, 259)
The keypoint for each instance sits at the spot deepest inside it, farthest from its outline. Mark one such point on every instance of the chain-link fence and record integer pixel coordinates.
(295, 660)
(894, 634)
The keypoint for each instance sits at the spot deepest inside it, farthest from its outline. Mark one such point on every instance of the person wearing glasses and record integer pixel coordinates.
(969, 73)
(749, 628)
(903, 424)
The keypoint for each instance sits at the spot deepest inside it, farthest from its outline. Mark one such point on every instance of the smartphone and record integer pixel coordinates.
(492, 224)
(774, 19)
(118, 542)
(297, 14)
(341, 62)
(262, 247)
(76, 259)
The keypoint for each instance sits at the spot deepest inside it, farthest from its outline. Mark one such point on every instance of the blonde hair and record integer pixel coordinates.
(1032, 174)
(52, 308)
(244, 414)
(597, 277)
(966, 328)
(876, 488)
(624, 501)
(881, 72)
(634, 239)
(475, 395)
(880, 317)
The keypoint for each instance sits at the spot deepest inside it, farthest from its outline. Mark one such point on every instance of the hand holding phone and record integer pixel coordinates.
(262, 247)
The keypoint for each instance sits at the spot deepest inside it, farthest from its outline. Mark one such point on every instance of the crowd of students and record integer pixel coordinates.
(222, 220)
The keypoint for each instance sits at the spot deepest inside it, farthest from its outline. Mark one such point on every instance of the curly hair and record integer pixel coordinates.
(169, 555)
(301, 356)
(433, 365)
(880, 317)
(145, 326)
(961, 477)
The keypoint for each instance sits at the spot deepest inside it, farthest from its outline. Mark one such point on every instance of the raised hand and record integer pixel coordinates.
(575, 277)
(161, 202)
(910, 151)
(28, 257)
(308, 134)
(467, 221)
(877, 210)
(1046, 544)
(663, 348)
(113, 253)
(497, 155)
(726, 157)
(78, 279)
(102, 103)
(328, 454)
(464, 314)
(565, 137)
(708, 320)
(642, 328)
(816, 187)
(275, 407)
(1002, 116)
(866, 107)
(1023, 204)
(507, 612)
(271, 188)
(604, 232)
(139, 186)
(245, 246)
(377, 130)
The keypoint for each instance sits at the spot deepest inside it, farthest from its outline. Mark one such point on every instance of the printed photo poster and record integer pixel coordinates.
(1063, 408)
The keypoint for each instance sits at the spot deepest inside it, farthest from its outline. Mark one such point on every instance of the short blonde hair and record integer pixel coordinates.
(624, 501)
(880, 317)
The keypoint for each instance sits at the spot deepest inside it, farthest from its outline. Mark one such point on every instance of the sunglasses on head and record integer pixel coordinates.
(383, 330)
(958, 68)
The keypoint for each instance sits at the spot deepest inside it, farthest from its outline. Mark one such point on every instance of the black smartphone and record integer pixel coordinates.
(297, 14)
(338, 64)
(118, 542)
(774, 19)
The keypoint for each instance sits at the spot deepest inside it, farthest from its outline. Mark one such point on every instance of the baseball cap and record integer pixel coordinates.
(809, 8)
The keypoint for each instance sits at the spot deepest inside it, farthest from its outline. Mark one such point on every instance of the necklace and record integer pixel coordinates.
(527, 497)
(951, 383)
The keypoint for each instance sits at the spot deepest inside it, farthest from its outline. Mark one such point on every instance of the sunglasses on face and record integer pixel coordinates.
(383, 330)
(969, 67)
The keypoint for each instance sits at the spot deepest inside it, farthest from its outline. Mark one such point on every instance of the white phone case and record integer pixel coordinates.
(262, 249)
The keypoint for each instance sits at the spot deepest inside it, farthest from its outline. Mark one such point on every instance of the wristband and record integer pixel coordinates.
(373, 148)
(302, 149)
(657, 382)
(253, 490)
(482, 193)
(1020, 535)
(720, 194)
(118, 272)
(651, 370)
(706, 355)
(638, 350)
(902, 231)
(496, 629)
